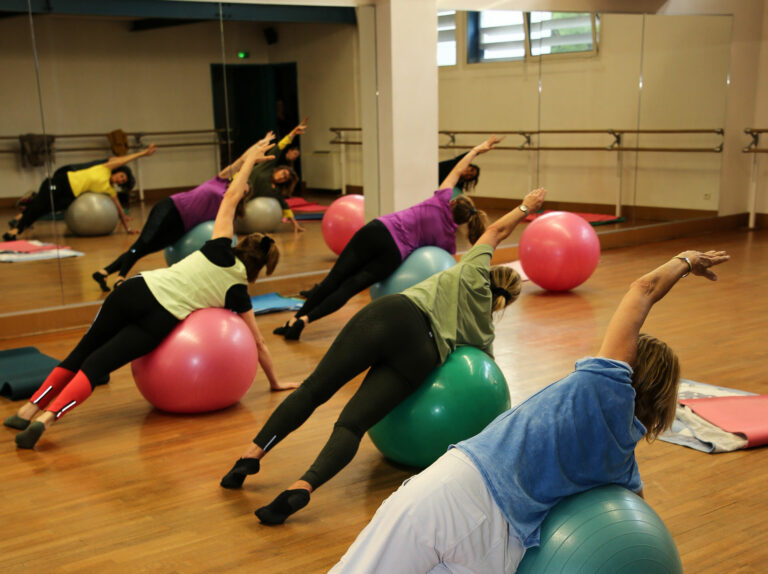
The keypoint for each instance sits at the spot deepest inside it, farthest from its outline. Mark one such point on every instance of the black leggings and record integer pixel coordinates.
(392, 337)
(131, 323)
(164, 227)
(370, 256)
(54, 194)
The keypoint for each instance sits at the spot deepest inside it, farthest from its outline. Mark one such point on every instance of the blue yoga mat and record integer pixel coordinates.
(23, 370)
(273, 302)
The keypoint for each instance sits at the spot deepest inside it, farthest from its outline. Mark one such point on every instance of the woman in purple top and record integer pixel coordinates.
(481, 505)
(379, 247)
(173, 216)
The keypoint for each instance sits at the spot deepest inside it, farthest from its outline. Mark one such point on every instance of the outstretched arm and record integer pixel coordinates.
(118, 160)
(500, 229)
(223, 225)
(230, 171)
(453, 177)
(297, 131)
(621, 337)
(265, 358)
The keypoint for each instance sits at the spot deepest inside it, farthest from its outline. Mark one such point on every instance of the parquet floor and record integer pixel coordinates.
(117, 486)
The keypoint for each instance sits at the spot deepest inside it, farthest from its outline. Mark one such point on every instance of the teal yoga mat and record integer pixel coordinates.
(23, 370)
(273, 302)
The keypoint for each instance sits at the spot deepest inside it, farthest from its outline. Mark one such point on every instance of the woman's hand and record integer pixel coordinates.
(150, 150)
(277, 386)
(487, 145)
(255, 153)
(301, 128)
(267, 139)
(701, 262)
(535, 199)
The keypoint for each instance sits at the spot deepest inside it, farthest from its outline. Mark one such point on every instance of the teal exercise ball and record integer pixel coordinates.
(456, 401)
(419, 265)
(191, 241)
(606, 530)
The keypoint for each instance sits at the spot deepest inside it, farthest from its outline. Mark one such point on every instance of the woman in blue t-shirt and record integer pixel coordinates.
(136, 318)
(481, 505)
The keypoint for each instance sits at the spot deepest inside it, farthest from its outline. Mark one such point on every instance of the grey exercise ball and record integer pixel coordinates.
(262, 214)
(92, 214)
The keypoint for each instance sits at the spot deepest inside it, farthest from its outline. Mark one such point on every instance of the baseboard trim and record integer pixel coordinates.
(628, 211)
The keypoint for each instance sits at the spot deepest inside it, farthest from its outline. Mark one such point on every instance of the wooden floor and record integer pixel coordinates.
(50, 283)
(117, 486)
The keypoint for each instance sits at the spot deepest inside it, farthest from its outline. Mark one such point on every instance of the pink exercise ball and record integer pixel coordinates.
(559, 251)
(206, 363)
(341, 221)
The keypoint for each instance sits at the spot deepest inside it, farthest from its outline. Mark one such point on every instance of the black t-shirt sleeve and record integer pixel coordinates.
(237, 298)
(219, 251)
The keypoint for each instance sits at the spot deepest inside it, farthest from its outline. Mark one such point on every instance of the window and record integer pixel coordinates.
(446, 38)
(496, 35)
(505, 35)
(562, 32)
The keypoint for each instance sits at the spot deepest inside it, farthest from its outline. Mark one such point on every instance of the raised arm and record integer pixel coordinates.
(223, 225)
(620, 341)
(500, 229)
(118, 160)
(297, 131)
(453, 177)
(230, 171)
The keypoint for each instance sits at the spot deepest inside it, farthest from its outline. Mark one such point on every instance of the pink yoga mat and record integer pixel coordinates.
(747, 415)
(300, 205)
(21, 246)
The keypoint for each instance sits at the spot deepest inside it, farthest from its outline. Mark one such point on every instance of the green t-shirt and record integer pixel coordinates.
(458, 302)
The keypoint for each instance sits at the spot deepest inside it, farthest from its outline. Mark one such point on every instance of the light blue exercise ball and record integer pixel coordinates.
(606, 530)
(419, 265)
(191, 241)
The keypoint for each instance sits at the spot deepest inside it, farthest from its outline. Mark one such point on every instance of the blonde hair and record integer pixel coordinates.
(463, 211)
(506, 279)
(655, 377)
(255, 251)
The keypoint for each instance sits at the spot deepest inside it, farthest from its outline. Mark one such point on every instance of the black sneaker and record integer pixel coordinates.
(309, 292)
(8, 237)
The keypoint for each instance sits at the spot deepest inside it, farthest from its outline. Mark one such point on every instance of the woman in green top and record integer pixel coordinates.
(401, 338)
(68, 182)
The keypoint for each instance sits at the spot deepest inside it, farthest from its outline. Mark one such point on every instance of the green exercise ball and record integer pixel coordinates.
(191, 241)
(606, 530)
(418, 266)
(456, 401)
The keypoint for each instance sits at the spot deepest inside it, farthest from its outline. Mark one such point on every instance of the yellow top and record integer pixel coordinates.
(95, 179)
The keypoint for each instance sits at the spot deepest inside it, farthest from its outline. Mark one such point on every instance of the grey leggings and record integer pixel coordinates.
(392, 337)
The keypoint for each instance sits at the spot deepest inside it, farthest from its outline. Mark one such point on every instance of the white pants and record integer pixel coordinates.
(442, 520)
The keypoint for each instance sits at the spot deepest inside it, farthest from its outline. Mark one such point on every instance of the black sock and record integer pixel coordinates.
(288, 502)
(16, 422)
(242, 468)
(8, 236)
(293, 332)
(282, 330)
(101, 279)
(27, 438)
(309, 292)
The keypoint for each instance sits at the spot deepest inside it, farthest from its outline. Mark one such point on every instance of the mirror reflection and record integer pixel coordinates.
(178, 101)
(619, 116)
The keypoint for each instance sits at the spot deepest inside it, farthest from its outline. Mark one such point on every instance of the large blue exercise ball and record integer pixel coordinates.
(606, 530)
(419, 265)
(456, 401)
(191, 241)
